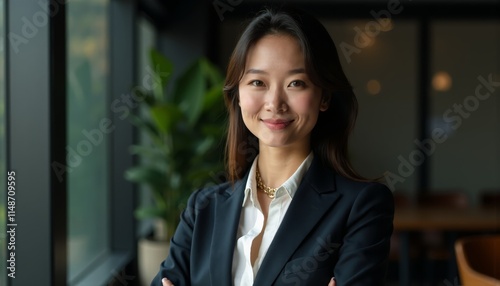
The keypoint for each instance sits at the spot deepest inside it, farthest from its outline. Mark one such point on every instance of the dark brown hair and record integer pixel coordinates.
(329, 138)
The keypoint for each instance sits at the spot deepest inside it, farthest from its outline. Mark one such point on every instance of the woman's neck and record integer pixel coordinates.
(276, 165)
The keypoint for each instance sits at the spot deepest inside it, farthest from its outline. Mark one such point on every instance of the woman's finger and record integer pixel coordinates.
(332, 282)
(166, 282)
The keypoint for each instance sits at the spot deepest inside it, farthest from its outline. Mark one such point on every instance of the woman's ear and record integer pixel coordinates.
(325, 102)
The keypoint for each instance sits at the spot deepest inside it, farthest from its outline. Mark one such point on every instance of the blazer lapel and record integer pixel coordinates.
(315, 195)
(227, 211)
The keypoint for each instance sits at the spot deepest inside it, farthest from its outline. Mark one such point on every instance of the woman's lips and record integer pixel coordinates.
(276, 124)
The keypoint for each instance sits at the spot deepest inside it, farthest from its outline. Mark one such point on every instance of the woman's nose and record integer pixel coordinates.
(275, 102)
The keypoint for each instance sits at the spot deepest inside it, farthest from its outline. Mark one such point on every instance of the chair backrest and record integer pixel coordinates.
(401, 199)
(490, 198)
(478, 259)
(448, 199)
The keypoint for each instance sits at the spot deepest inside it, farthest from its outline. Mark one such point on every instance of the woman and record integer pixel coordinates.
(294, 211)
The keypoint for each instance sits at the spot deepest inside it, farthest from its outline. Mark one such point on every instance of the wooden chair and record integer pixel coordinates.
(400, 201)
(434, 241)
(490, 198)
(478, 259)
(444, 199)
(436, 244)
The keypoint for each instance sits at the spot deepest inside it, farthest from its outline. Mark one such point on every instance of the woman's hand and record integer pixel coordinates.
(332, 282)
(166, 282)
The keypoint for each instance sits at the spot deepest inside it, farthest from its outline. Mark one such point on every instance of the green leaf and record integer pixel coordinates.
(205, 145)
(213, 96)
(149, 212)
(148, 175)
(215, 131)
(211, 72)
(189, 92)
(146, 126)
(143, 95)
(147, 151)
(161, 70)
(166, 116)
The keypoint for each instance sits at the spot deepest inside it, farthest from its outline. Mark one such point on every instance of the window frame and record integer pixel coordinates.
(37, 188)
(41, 209)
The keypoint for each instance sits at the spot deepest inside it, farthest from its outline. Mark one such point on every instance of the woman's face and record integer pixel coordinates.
(278, 101)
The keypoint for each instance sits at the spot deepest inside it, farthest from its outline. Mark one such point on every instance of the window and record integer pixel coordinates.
(88, 130)
(387, 115)
(81, 213)
(465, 57)
(146, 41)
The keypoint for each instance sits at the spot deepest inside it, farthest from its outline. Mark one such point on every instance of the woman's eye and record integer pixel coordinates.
(256, 83)
(297, 83)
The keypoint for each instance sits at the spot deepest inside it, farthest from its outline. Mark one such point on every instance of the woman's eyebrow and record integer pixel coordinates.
(296, 71)
(255, 71)
(258, 71)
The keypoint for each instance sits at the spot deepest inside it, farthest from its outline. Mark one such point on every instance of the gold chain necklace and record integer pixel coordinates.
(270, 192)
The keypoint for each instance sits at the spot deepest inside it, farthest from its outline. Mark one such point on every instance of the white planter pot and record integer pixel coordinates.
(150, 255)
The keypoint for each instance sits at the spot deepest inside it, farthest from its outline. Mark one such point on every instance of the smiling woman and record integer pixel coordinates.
(294, 210)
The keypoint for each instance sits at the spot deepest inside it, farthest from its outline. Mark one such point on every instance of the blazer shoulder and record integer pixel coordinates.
(215, 189)
(202, 195)
(353, 188)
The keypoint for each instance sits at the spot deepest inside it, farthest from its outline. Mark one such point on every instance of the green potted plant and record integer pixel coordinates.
(184, 141)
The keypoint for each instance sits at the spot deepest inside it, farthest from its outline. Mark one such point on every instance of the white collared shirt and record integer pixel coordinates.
(252, 221)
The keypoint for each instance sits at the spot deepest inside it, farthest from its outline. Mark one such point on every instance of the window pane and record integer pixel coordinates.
(382, 72)
(87, 126)
(3, 171)
(465, 57)
(147, 40)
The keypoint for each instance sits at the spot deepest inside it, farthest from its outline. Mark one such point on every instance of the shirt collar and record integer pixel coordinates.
(289, 187)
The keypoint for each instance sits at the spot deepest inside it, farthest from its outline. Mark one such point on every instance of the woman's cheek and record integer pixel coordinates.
(306, 104)
(249, 105)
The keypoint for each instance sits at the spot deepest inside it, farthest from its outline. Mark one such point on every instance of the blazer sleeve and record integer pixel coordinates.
(363, 256)
(176, 267)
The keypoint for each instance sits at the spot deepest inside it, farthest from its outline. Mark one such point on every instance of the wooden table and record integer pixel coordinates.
(417, 219)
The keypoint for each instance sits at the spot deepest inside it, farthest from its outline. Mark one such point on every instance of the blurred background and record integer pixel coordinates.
(426, 75)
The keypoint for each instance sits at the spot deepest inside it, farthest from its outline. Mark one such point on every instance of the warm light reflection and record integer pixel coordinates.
(386, 25)
(441, 81)
(373, 87)
(368, 41)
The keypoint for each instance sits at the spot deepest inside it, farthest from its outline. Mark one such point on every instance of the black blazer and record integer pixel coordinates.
(333, 227)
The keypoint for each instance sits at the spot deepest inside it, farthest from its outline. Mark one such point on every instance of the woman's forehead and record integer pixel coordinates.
(275, 52)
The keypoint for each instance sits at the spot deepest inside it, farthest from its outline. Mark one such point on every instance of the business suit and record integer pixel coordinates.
(333, 227)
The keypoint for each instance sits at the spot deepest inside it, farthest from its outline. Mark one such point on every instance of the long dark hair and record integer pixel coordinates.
(329, 138)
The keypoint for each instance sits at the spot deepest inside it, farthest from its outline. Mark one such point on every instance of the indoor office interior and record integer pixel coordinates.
(79, 80)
